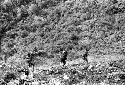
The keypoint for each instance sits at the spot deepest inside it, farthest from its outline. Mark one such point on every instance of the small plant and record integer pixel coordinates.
(33, 8)
(114, 10)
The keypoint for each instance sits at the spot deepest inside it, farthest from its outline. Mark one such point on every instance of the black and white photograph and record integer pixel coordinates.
(62, 42)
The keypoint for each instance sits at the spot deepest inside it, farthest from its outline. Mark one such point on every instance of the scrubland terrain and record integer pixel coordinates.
(44, 28)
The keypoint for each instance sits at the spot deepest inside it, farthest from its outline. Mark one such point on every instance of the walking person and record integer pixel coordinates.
(85, 56)
(64, 57)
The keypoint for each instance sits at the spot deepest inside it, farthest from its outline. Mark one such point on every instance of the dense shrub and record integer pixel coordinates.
(9, 76)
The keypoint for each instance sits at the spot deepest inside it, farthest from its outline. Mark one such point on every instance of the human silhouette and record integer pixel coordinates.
(64, 57)
(30, 60)
(85, 56)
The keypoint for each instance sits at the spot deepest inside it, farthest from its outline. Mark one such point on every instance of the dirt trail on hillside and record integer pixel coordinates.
(80, 63)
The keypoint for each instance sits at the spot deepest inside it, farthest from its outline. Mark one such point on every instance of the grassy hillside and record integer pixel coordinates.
(44, 28)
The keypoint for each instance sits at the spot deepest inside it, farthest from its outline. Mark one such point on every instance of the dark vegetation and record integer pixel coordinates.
(9, 76)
